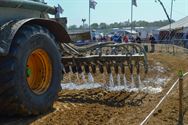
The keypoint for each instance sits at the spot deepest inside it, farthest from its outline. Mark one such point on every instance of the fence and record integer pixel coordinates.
(166, 48)
(176, 50)
(181, 108)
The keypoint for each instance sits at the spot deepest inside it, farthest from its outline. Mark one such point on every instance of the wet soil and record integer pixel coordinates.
(103, 107)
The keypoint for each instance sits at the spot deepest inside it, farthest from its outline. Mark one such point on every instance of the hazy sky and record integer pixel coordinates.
(109, 11)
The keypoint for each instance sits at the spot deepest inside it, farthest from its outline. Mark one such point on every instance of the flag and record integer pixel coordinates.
(92, 4)
(134, 3)
(60, 9)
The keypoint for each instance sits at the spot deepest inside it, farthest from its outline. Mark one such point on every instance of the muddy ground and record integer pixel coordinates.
(103, 107)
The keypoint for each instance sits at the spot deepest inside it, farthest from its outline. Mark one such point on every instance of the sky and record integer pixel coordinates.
(110, 11)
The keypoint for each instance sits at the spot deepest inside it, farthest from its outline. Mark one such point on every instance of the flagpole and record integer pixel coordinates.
(131, 16)
(171, 13)
(92, 4)
(89, 17)
(171, 25)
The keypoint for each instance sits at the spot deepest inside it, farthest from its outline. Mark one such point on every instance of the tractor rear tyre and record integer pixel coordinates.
(31, 73)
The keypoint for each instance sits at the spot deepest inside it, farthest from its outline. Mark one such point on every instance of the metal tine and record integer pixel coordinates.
(87, 70)
(74, 69)
(111, 65)
(79, 68)
(100, 66)
(118, 72)
(80, 71)
(140, 85)
(108, 68)
(116, 68)
(63, 69)
(93, 68)
(67, 68)
(101, 69)
(122, 66)
(86, 67)
(138, 67)
(131, 68)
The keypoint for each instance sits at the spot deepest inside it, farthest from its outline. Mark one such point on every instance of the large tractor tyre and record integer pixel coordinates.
(30, 75)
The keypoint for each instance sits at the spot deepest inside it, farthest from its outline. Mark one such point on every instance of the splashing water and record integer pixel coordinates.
(104, 78)
(69, 74)
(111, 81)
(152, 90)
(139, 80)
(125, 81)
(70, 79)
(74, 86)
(83, 78)
(132, 81)
(149, 89)
(118, 80)
(77, 76)
(140, 85)
(90, 78)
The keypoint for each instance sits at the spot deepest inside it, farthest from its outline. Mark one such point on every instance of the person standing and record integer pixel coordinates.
(125, 39)
(152, 41)
(138, 39)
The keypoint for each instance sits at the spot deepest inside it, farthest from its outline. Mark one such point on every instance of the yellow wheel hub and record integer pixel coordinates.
(39, 71)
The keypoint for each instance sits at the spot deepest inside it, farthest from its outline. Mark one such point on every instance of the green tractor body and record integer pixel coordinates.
(36, 51)
(17, 13)
(22, 9)
(30, 59)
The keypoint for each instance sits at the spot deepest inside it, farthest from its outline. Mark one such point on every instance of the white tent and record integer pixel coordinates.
(180, 24)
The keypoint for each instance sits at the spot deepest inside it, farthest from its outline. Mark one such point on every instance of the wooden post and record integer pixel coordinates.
(180, 121)
(173, 50)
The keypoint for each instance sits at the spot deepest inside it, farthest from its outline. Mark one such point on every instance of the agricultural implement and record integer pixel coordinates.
(36, 51)
(105, 58)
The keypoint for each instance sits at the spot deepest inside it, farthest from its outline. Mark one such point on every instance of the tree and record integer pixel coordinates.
(141, 23)
(103, 25)
(72, 27)
(80, 27)
(94, 26)
(122, 24)
(114, 25)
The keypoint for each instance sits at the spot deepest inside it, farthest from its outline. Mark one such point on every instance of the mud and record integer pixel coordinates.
(101, 106)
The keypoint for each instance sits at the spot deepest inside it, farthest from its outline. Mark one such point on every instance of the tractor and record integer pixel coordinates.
(36, 51)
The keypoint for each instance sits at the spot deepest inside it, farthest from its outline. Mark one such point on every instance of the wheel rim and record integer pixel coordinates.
(39, 71)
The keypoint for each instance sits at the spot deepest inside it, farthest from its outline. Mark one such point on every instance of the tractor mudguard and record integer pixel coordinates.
(9, 30)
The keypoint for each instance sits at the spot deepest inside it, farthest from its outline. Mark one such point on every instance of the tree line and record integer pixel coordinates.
(140, 23)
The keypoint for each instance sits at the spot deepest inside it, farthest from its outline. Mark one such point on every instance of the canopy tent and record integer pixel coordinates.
(178, 32)
(180, 24)
(127, 31)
